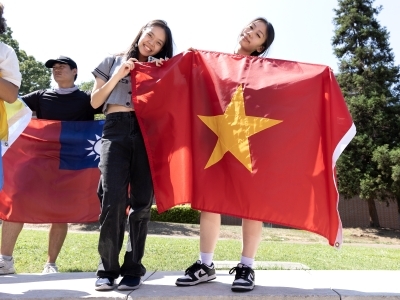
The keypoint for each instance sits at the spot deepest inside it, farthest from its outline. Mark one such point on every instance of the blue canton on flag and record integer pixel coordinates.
(80, 144)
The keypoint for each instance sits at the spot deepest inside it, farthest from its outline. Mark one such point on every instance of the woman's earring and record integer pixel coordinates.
(136, 45)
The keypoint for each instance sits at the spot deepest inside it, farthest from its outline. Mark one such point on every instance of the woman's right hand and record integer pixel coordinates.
(125, 68)
(102, 89)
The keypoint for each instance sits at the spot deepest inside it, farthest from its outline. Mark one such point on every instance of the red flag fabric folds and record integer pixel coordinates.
(245, 136)
(51, 173)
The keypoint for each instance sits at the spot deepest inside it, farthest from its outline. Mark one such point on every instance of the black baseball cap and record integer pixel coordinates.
(62, 60)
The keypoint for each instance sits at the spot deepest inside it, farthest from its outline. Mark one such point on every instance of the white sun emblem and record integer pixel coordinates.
(96, 147)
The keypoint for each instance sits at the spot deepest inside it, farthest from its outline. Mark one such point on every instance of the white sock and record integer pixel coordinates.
(206, 258)
(247, 261)
(7, 258)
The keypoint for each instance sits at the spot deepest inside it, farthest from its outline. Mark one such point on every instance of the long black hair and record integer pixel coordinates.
(270, 37)
(166, 51)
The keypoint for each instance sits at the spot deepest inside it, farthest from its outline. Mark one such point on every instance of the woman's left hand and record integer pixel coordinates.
(159, 61)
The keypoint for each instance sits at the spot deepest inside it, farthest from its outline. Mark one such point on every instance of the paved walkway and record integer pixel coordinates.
(271, 284)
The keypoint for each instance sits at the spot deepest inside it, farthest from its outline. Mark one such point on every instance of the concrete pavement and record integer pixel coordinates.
(270, 284)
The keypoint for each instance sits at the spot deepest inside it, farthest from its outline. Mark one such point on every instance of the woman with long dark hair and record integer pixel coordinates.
(125, 171)
(254, 40)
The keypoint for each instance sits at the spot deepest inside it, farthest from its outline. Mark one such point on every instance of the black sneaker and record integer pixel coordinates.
(197, 273)
(104, 284)
(244, 278)
(129, 283)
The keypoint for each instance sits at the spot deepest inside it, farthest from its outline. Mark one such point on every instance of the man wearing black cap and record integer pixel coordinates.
(64, 103)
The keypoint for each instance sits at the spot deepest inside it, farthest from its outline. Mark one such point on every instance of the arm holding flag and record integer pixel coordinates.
(10, 81)
(8, 91)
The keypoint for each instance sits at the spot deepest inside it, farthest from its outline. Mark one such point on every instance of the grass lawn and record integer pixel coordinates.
(79, 253)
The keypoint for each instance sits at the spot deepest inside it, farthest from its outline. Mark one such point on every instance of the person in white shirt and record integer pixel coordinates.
(10, 76)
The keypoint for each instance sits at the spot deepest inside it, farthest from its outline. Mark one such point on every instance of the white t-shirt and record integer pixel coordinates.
(9, 66)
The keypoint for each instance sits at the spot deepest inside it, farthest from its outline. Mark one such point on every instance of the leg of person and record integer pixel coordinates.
(141, 199)
(9, 235)
(251, 232)
(57, 235)
(245, 277)
(203, 270)
(114, 166)
(210, 224)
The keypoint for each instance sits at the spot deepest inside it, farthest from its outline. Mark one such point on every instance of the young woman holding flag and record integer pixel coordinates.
(254, 40)
(125, 172)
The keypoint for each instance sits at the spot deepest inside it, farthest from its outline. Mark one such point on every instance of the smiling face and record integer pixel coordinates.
(252, 38)
(151, 42)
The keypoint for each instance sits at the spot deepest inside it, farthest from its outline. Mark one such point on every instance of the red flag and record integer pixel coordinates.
(245, 136)
(51, 173)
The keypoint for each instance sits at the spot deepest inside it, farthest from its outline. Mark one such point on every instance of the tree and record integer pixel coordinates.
(86, 85)
(35, 75)
(370, 83)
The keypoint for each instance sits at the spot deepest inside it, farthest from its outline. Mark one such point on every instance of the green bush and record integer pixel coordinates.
(99, 117)
(177, 214)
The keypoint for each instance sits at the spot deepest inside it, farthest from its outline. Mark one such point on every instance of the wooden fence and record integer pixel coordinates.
(353, 213)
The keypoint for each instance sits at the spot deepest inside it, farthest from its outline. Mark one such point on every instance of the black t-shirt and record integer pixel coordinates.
(69, 107)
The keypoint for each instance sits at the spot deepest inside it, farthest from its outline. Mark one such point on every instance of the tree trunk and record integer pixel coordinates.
(398, 209)
(373, 214)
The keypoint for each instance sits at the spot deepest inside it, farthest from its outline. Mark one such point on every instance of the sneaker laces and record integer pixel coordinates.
(242, 271)
(49, 269)
(193, 268)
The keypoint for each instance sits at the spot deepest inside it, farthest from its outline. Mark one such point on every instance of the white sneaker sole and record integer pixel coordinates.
(191, 283)
(239, 288)
(7, 271)
(104, 287)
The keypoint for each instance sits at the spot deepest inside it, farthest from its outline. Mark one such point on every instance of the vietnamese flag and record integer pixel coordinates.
(51, 173)
(245, 136)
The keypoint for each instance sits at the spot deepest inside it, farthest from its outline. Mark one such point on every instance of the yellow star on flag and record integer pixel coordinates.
(233, 129)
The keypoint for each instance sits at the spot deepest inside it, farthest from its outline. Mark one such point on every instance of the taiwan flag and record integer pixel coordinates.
(51, 173)
(250, 137)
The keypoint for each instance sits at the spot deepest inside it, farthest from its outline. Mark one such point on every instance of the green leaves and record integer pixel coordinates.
(86, 85)
(177, 214)
(35, 75)
(370, 165)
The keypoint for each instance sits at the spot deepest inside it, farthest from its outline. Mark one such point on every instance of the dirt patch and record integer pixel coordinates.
(370, 236)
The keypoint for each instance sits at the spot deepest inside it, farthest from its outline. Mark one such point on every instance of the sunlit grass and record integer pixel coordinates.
(79, 253)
